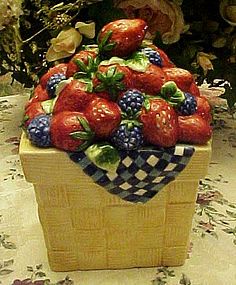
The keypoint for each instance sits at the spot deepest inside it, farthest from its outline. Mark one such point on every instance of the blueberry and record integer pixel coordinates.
(153, 56)
(127, 138)
(53, 82)
(188, 106)
(39, 131)
(131, 102)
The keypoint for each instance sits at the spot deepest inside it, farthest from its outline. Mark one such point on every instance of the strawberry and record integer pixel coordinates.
(103, 116)
(204, 108)
(150, 81)
(39, 94)
(74, 97)
(70, 131)
(194, 90)
(181, 77)
(194, 129)
(32, 110)
(111, 80)
(59, 68)
(160, 123)
(84, 56)
(122, 37)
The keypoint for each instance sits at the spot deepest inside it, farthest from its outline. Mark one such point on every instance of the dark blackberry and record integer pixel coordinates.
(39, 131)
(153, 56)
(131, 102)
(53, 82)
(188, 106)
(127, 137)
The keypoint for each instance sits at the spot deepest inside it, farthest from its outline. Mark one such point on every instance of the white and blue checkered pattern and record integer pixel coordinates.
(141, 174)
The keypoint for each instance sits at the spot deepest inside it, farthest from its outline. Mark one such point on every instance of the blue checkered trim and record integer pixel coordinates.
(141, 174)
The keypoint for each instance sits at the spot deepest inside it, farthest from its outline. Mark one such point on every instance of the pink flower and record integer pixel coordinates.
(162, 16)
(208, 197)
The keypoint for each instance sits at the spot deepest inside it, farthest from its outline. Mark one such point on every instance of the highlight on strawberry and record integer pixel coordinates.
(121, 93)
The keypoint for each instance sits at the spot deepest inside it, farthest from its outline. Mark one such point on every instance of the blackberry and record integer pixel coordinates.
(127, 137)
(153, 56)
(53, 82)
(188, 106)
(131, 102)
(39, 131)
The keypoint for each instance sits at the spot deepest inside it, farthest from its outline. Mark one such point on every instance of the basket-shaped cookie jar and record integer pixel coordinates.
(116, 139)
(85, 227)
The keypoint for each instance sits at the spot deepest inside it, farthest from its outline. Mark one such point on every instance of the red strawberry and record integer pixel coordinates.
(59, 68)
(73, 97)
(194, 129)
(32, 110)
(181, 77)
(103, 116)
(39, 94)
(122, 37)
(194, 90)
(160, 123)
(111, 80)
(83, 56)
(70, 131)
(204, 109)
(150, 81)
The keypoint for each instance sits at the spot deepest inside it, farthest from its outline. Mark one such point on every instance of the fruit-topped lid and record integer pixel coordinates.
(121, 98)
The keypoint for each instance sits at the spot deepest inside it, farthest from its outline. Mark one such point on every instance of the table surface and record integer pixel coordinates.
(212, 252)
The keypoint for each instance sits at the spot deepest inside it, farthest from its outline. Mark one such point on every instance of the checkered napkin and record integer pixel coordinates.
(141, 174)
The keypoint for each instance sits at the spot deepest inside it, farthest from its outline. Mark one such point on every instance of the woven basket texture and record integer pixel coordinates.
(85, 227)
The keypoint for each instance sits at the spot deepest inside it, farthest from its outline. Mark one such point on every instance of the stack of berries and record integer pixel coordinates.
(122, 91)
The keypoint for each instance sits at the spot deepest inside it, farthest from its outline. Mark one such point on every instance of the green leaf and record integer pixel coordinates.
(168, 89)
(101, 87)
(79, 75)
(138, 62)
(48, 105)
(146, 104)
(84, 145)
(101, 76)
(119, 76)
(81, 65)
(105, 38)
(80, 135)
(90, 62)
(109, 46)
(111, 71)
(104, 156)
(84, 123)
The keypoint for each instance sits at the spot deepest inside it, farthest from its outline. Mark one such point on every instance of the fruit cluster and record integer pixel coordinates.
(123, 91)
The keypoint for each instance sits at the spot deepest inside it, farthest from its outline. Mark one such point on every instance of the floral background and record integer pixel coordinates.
(199, 36)
(211, 259)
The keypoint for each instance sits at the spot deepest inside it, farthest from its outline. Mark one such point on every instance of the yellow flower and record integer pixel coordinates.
(67, 41)
(162, 16)
(204, 60)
